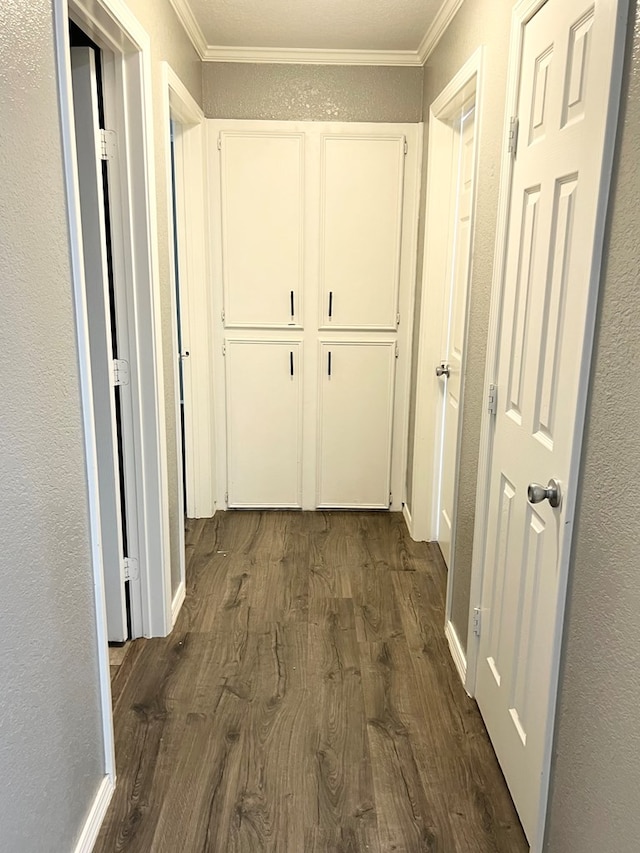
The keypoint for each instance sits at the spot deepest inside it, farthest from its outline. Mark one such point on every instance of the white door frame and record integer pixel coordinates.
(195, 309)
(428, 434)
(413, 133)
(112, 26)
(522, 14)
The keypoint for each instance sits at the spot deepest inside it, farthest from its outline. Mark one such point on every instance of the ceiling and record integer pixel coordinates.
(385, 32)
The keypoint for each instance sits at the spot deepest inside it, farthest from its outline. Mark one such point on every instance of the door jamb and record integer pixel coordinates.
(428, 437)
(522, 14)
(111, 24)
(191, 230)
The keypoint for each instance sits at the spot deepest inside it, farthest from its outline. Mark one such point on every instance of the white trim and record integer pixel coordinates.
(194, 284)
(406, 512)
(457, 652)
(522, 13)
(65, 94)
(439, 25)
(178, 601)
(316, 56)
(427, 448)
(111, 24)
(310, 56)
(96, 815)
(191, 26)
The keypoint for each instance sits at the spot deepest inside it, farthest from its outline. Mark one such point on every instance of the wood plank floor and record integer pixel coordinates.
(305, 702)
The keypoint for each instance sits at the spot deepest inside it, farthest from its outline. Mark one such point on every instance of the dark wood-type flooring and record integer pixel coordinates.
(306, 701)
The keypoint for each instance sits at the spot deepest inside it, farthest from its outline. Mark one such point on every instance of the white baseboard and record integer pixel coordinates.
(96, 815)
(178, 601)
(407, 518)
(457, 652)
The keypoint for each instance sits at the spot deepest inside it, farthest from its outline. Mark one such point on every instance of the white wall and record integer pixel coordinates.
(51, 752)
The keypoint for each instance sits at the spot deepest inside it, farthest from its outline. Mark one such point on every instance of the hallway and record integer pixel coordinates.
(305, 701)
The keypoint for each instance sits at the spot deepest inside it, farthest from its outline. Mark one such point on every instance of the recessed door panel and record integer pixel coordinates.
(355, 420)
(264, 436)
(360, 231)
(262, 185)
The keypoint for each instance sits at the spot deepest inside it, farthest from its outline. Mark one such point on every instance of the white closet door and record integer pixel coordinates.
(264, 425)
(262, 185)
(360, 231)
(355, 424)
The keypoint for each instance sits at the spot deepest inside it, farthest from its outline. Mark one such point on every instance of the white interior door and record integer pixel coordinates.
(355, 417)
(262, 184)
(454, 320)
(264, 423)
(360, 230)
(87, 130)
(554, 236)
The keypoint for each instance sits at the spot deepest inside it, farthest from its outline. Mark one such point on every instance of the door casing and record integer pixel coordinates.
(522, 14)
(111, 25)
(428, 436)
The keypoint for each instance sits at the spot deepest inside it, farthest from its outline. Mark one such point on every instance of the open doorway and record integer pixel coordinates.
(451, 190)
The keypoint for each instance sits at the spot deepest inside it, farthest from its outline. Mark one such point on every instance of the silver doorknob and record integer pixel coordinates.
(443, 370)
(552, 493)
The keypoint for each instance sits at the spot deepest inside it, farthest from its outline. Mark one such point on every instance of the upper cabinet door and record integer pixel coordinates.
(262, 228)
(360, 231)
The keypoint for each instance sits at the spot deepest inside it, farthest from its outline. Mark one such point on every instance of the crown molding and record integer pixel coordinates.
(443, 18)
(183, 10)
(310, 56)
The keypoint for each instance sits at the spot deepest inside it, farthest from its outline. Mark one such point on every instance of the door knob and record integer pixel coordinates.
(552, 493)
(443, 370)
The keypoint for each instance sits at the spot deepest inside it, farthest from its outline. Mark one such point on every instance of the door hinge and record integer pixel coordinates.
(224, 349)
(406, 147)
(390, 499)
(223, 315)
(108, 144)
(492, 399)
(512, 140)
(219, 142)
(397, 350)
(477, 621)
(120, 369)
(226, 498)
(398, 319)
(131, 569)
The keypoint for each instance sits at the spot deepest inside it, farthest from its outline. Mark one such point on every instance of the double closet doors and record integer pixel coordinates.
(314, 226)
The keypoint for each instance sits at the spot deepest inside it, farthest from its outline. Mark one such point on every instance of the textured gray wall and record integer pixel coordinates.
(237, 90)
(169, 43)
(477, 23)
(596, 780)
(51, 749)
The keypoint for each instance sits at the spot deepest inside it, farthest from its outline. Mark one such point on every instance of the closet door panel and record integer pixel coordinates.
(264, 426)
(355, 423)
(262, 185)
(360, 231)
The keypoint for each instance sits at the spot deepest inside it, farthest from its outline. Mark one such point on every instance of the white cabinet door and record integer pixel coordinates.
(264, 423)
(262, 184)
(355, 423)
(361, 186)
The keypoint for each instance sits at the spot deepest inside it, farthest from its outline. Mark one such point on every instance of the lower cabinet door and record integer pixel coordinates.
(355, 424)
(264, 423)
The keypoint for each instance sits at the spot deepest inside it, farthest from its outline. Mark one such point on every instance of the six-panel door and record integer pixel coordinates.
(355, 423)
(264, 423)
